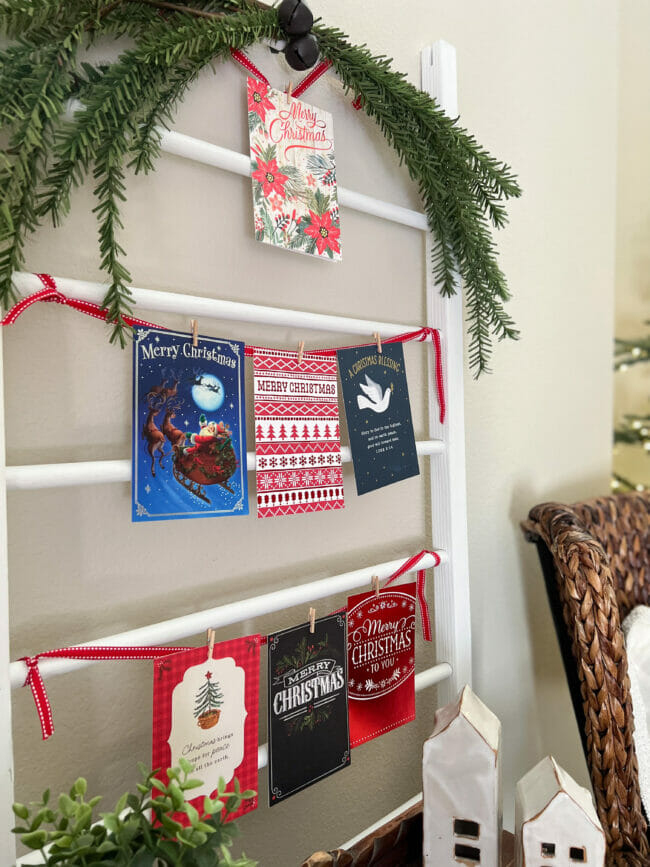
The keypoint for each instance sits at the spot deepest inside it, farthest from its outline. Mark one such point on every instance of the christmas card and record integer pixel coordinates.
(378, 412)
(206, 710)
(297, 446)
(381, 662)
(189, 427)
(295, 200)
(308, 707)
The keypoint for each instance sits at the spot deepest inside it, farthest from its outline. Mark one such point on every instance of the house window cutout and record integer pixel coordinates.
(467, 828)
(578, 853)
(467, 854)
(548, 850)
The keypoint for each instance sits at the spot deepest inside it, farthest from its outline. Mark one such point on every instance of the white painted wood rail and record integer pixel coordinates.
(445, 445)
(448, 483)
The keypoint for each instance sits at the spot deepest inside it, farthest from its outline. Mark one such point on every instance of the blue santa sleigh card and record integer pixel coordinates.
(189, 428)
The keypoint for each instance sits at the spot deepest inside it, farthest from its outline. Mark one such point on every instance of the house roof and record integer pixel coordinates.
(541, 784)
(478, 715)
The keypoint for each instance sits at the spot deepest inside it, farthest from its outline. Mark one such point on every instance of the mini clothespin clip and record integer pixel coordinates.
(377, 337)
(312, 620)
(195, 332)
(211, 637)
(301, 351)
(375, 585)
(289, 89)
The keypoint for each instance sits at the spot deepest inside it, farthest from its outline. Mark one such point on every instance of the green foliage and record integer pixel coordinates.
(141, 830)
(127, 102)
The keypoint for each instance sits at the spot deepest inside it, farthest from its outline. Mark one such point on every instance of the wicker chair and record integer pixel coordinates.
(596, 562)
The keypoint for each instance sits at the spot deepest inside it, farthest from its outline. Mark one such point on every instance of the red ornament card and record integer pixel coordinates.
(381, 662)
(297, 445)
(206, 710)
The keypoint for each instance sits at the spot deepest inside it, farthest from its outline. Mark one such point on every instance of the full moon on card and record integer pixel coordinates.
(209, 394)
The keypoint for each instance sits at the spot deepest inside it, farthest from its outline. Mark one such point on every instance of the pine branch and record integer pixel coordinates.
(31, 112)
(463, 187)
(110, 192)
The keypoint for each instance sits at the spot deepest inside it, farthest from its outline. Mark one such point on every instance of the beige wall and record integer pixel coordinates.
(633, 223)
(537, 84)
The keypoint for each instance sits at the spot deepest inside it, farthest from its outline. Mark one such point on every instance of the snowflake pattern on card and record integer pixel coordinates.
(297, 444)
(295, 199)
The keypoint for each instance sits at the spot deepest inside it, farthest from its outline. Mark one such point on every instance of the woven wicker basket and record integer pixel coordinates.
(596, 562)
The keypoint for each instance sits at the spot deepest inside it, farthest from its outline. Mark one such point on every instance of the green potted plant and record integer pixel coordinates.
(141, 830)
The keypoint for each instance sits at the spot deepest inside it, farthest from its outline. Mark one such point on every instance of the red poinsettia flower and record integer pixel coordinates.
(258, 101)
(324, 233)
(271, 178)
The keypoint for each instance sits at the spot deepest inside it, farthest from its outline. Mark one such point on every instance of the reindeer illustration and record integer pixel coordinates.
(170, 391)
(154, 437)
(175, 436)
(156, 390)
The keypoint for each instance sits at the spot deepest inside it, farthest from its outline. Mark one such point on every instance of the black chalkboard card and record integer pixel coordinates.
(309, 735)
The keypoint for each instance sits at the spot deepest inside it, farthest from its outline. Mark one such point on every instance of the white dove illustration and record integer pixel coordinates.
(373, 399)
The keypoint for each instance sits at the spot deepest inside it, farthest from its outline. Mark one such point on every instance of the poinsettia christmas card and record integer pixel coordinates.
(307, 705)
(206, 710)
(381, 662)
(297, 445)
(295, 200)
(378, 413)
(189, 427)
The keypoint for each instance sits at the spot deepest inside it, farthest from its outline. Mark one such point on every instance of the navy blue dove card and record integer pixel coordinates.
(378, 413)
(189, 428)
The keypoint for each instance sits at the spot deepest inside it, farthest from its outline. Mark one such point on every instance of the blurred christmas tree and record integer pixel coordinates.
(634, 429)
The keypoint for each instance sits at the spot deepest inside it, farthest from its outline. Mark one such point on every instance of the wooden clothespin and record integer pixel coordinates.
(195, 332)
(301, 351)
(312, 620)
(375, 585)
(211, 637)
(377, 337)
(289, 89)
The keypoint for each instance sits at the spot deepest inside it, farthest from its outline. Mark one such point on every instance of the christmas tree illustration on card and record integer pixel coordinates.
(209, 699)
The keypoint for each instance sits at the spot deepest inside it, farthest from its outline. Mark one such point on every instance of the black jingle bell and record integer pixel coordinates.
(295, 18)
(302, 52)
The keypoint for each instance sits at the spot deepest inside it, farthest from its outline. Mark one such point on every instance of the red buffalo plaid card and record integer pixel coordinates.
(381, 662)
(206, 710)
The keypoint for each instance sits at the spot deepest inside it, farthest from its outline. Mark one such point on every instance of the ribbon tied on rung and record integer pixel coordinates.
(51, 293)
(34, 678)
(420, 587)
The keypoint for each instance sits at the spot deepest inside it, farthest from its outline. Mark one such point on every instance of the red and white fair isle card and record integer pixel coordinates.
(206, 710)
(297, 438)
(381, 662)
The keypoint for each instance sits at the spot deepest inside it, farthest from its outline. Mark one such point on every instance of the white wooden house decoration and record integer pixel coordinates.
(462, 785)
(555, 821)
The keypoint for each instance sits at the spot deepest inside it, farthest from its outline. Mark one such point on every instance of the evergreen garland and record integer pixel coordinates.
(122, 106)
